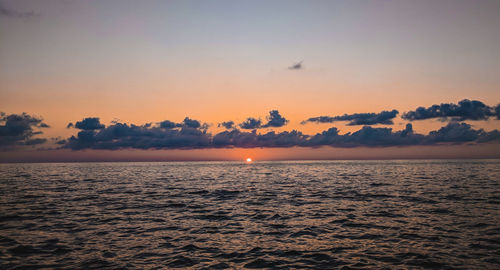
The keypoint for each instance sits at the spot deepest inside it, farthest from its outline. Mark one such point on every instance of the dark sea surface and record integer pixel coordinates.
(437, 214)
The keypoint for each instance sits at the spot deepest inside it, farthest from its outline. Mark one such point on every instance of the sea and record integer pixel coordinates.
(397, 214)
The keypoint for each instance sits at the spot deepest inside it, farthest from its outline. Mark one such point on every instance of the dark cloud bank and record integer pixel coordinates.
(191, 134)
(19, 129)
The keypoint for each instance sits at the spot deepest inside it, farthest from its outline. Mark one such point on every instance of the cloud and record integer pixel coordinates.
(122, 135)
(7, 12)
(19, 129)
(90, 123)
(464, 110)
(237, 138)
(460, 133)
(296, 66)
(384, 117)
(61, 142)
(251, 123)
(35, 141)
(454, 133)
(185, 136)
(497, 111)
(167, 124)
(188, 122)
(367, 136)
(227, 124)
(275, 120)
(22, 129)
(491, 136)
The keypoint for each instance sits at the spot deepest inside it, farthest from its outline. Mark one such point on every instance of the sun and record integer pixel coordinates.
(249, 160)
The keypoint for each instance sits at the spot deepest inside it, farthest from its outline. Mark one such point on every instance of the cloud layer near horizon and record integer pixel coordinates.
(19, 130)
(123, 135)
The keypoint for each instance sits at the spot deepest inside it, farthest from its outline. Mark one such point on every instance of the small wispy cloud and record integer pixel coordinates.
(358, 119)
(296, 66)
(8, 12)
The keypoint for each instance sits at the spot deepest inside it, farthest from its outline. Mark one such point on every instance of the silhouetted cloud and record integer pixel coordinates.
(122, 135)
(251, 123)
(90, 123)
(61, 142)
(227, 124)
(185, 136)
(275, 120)
(497, 111)
(384, 117)
(7, 12)
(455, 133)
(168, 124)
(464, 110)
(461, 132)
(188, 122)
(19, 129)
(35, 141)
(237, 138)
(296, 66)
(367, 136)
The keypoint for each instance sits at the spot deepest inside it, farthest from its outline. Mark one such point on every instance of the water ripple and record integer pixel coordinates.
(226, 215)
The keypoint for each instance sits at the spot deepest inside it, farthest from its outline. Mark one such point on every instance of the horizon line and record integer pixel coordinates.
(243, 160)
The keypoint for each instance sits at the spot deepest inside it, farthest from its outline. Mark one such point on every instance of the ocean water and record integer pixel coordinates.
(437, 214)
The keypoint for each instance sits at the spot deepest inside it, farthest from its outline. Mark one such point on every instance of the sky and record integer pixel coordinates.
(329, 78)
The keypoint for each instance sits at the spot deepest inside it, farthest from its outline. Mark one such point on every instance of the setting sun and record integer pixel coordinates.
(249, 160)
